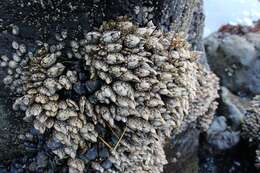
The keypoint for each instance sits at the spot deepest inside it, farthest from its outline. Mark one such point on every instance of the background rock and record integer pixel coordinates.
(233, 54)
(235, 59)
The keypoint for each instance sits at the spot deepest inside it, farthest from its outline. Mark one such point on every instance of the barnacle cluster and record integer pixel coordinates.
(251, 123)
(251, 126)
(112, 99)
(203, 107)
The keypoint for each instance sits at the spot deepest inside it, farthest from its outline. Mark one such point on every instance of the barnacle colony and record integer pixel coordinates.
(251, 126)
(122, 89)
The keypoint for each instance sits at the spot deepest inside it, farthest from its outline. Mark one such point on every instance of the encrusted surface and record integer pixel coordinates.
(122, 89)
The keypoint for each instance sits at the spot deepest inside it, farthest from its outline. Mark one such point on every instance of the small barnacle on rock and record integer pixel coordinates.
(92, 37)
(76, 166)
(123, 89)
(105, 95)
(66, 114)
(110, 36)
(65, 82)
(113, 48)
(48, 61)
(131, 41)
(34, 110)
(115, 58)
(250, 125)
(56, 70)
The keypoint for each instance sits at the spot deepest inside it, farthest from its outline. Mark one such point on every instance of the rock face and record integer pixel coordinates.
(233, 54)
(27, 23)
(235, 59)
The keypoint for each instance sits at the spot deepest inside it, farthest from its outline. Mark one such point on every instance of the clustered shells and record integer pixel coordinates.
(251, 123)
(14, 66)
(150, 83)
(251, 126)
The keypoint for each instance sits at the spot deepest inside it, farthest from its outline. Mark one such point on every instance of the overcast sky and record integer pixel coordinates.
(219, 12)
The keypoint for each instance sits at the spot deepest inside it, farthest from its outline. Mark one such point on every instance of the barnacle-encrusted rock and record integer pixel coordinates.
(251, 123)
(251, 126)
(130, 89)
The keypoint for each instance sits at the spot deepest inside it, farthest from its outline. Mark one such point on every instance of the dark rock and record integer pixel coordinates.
(208, 165)
(82, 76)
(91, 154)
(106, 164)
(104, 153)
(233, 107)
(181, 152)
(16, 168)
(93, 85)
(33, 167)
(220, 136)
(79, 88)
(54, 144)
(42, 160)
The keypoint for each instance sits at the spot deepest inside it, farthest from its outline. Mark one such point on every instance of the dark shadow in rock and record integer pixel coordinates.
(239, 159)
(181, 152)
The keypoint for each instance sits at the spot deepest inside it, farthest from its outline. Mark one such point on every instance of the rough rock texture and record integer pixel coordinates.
(235, 59)
(32, 20)
(251, 123)
(233, 54)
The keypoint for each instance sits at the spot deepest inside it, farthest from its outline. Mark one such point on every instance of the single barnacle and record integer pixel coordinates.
(110, 36)
(65, 82)
(48, 60)
(131, 41)
(66, 114)
(56, 70)
(123, 89)
(76, 166)
(34, 110)
(115, 58)
(92, 37)
(113, 48)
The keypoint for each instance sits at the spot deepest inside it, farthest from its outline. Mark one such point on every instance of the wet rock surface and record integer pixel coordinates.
(235, 59)
(233, 54)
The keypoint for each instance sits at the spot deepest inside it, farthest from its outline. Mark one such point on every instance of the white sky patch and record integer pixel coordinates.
(220, 12)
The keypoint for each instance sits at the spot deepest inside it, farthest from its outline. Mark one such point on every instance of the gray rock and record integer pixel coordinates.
(238, 49)
(234, 108)
(106, 164)
(218, 125)
(220, 136)
(254, 38)
(235, 59)
(91, 154)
